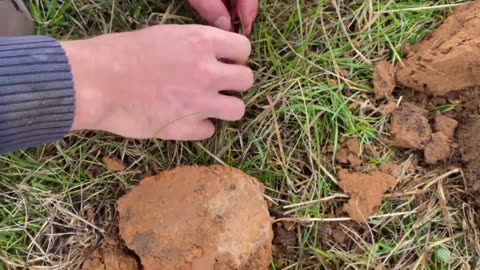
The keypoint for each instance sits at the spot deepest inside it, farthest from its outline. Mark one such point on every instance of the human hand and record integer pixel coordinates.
(160, 82)
(221, 13)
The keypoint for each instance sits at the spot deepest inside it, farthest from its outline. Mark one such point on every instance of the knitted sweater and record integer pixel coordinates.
(37, 100)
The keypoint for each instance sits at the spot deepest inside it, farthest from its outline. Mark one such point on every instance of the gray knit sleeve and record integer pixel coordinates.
(37, 99)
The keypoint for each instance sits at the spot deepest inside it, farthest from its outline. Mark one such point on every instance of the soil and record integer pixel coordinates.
(383, 80)
(366, 192)
(469, 138)
(442, 75)
(438, 149)
(445, 125)
(349, 153)
(353, 146)
(410, 127)
(198, 218)
(449, 59)
(111, 256)
(284, 241)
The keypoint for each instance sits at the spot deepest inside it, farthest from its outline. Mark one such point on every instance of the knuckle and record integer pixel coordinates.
(206, 71)
(200, 38)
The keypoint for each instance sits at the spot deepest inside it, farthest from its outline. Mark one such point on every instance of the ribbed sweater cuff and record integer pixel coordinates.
(37, 99)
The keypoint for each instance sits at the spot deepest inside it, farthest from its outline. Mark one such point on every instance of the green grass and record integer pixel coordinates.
(314, 64)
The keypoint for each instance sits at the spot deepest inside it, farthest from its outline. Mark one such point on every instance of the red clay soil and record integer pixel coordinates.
(469, 137)
(366, 192)
(445, 125)
(410, 127)
(198, 218)
(449, 59)
(110, 256)
(443, 70)
(383, 80)
(438, 149)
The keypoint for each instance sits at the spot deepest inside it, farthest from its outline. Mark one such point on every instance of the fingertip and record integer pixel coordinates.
(248, 30)
(209, 129)
(247, 11)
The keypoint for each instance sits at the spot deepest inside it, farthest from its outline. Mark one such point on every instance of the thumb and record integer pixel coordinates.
(214, 12)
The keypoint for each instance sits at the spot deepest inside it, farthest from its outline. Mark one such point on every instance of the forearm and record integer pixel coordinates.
(37, 100)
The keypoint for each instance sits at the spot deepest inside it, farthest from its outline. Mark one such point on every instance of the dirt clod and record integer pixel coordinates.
(410, 127)
(388, 168)
(438, 149)
(110, 256)
(353, 146)
(366, 192)
(389, 108)
(114, 164)
(198, 218)
(469, 138)
(383, 80)
(342, 155)
(449, 59)
(446, 125)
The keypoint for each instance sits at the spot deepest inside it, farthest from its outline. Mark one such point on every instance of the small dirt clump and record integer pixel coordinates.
(445, 125)
(198, 218)
(110, 256)
(366, 192)
(449, 59)
(410, 127)
(349, 153)
(438, 149)
(383, 80)
(353, 146)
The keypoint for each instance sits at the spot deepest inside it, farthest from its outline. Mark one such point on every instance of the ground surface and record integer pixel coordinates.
(314, 62)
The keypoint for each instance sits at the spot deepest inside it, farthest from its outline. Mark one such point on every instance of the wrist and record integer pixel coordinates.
(89, 101)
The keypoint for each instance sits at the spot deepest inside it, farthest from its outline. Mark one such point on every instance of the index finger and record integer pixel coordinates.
(247, 11)
(231, 46)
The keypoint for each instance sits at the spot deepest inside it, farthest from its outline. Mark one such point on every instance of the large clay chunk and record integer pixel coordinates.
(449, 59)
(198, 218)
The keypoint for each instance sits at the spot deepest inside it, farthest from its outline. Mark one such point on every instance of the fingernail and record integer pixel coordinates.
(223, 23)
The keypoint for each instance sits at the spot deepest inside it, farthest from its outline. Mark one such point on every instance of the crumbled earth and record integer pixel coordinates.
(111, 256)
(366, 192)
(284, 241)
(469, 138)
(438, 149)
(445, 125)
(353, 146)
(449, 59)
(383, 80)
(442, 75)
(349, 153)
(198, 218)
(410, 127)
(389, 108)
(388, 168)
